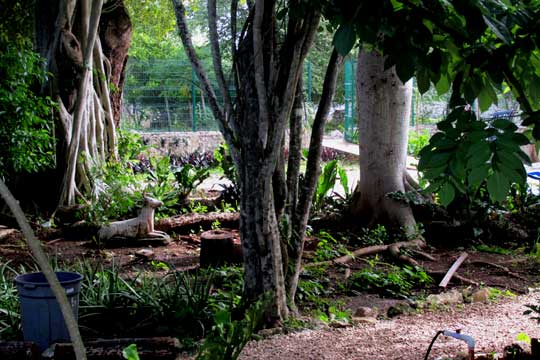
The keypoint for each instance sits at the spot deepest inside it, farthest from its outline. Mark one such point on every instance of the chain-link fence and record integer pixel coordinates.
(165, 95)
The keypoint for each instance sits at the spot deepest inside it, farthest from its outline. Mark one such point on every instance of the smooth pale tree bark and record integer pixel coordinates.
(384, 106)
(266, 69)
(68, 37)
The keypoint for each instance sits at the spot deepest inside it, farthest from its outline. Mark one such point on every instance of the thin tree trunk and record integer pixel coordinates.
(383, 112)
(307, 188)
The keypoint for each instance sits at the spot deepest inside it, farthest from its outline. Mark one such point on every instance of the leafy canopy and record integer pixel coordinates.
(472, 47)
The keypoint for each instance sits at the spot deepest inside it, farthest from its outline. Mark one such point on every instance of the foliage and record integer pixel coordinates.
(417, 141)
(188, 178)
(328, 247)
(224, 161)
(375, 236)
(466, 152)
(10, 327)
(327, 182)
(334, 314)
(130, 352)
(228, 337)
(492, 249)
(26, 132)
(473, 48)
(394, 282)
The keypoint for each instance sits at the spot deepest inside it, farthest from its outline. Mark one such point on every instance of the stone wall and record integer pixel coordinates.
(182, 143)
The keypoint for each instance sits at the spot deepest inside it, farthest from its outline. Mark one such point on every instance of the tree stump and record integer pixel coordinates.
(217, 248)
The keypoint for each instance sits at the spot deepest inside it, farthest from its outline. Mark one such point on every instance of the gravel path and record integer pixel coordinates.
(493, 326)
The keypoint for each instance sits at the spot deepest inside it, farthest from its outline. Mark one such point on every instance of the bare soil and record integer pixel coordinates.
(493, 325)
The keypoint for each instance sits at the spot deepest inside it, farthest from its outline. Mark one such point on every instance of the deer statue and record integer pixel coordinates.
(141, 227)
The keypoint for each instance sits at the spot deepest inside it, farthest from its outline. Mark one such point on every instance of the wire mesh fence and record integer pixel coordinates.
(165, 95)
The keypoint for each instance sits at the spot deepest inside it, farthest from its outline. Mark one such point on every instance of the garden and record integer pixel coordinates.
(380, 203)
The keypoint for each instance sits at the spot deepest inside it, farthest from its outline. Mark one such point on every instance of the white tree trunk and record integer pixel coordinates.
(384, 107)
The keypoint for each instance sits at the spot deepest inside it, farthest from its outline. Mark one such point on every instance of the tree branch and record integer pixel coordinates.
(185, 36)
(301, 213)
(258, 68)
(216, 58)
(43, 263)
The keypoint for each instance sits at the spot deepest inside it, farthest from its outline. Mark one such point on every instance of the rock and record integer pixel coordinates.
(144, 253)
(339, 324)
(452, 297)
(336, 134)
(6, 233)
(270, 332)
(481, 295)
(365, 311)
(364, 320)
(398, 309)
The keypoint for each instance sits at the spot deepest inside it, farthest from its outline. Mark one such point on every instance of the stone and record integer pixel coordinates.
(144, 253)
(365, 311)
(481, 295)
(339, 324)
(398, 309)
(452, 297)
(364, 320)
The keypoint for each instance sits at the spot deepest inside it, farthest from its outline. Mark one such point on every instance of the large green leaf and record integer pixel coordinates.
(498, 186)
(344, 39)
(422, 79)
(447, 193)
(478, 175)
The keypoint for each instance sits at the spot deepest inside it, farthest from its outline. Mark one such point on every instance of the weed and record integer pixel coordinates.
(328, 247)
(396, 281)
(491, 249)
(9, 304)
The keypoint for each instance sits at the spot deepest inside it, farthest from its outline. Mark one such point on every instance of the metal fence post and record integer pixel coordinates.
(349, 100)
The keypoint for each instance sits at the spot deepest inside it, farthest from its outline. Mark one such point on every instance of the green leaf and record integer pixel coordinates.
(478, 175)
(447, 193)
(503, 124)
(500, 29)
(344, 39)
(405, 67)
(422, 79)
(130, 352)
(523, 338)
(498, 186)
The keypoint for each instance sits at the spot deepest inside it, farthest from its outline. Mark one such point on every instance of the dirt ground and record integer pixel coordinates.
(494, 325)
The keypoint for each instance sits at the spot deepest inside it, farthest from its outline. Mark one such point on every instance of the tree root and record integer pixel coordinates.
(501, 267)
(455, 276)
(394, 249)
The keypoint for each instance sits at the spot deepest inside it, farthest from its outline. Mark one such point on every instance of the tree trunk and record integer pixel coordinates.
(115, 34)
(384, 106)
(82, 73)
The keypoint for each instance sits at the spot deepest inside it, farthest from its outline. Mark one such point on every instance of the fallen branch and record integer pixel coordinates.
(370, 250)
(183, 224)
(423, 254)
(453, 269)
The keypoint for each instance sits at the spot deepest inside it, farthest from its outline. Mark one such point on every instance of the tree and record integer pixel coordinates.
(86, 54)
(471, 48)
(267, 65)
(384, 107)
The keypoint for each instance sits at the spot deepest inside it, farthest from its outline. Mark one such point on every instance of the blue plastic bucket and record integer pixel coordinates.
(42, 320)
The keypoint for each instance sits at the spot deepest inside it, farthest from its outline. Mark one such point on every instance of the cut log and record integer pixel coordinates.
(217, 248)
(19, 350)
(183, 224)
(453, 269)
(158, 348)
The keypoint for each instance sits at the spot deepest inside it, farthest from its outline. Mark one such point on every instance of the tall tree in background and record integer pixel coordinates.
(267, 65)
(471, 48)
(384, 108)
(86, 54)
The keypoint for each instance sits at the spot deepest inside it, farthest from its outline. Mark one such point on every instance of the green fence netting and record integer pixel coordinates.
(165, 95)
